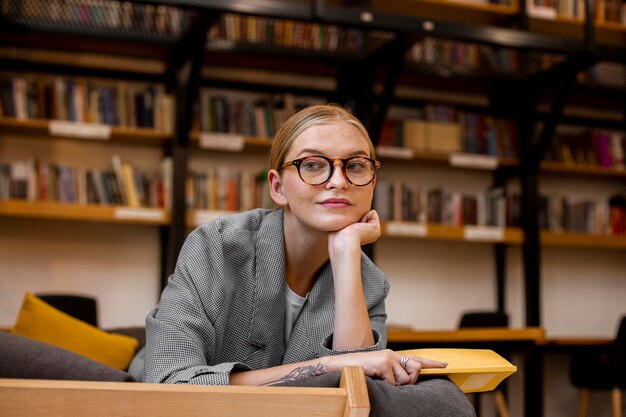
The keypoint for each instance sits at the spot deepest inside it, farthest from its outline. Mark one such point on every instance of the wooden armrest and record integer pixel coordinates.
(24, 397)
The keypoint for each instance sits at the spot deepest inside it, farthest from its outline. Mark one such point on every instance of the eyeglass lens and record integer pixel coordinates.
(315, 170)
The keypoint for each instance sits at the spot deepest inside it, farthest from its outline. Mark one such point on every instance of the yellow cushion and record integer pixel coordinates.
(40, 321)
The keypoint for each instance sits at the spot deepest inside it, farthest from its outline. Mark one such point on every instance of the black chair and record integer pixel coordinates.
(77, 306)
(484, 319)
(488, 319)
(601, 369)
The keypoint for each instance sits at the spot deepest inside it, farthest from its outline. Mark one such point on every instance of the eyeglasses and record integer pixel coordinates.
(317, 170)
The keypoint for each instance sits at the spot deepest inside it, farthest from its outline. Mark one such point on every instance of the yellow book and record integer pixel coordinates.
(472, 370)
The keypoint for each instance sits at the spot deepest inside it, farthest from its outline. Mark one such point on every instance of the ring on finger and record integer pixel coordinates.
(403, 361)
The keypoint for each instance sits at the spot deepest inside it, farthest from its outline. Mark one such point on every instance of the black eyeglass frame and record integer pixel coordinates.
(298, 162)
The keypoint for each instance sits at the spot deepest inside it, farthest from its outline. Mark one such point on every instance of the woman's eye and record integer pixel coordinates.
(312, 165)
(355, 165)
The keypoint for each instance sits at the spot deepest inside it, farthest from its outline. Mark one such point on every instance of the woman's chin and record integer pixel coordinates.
(336, 224)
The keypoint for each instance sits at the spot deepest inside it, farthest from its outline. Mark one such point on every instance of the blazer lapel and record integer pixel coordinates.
(315, 321)
(267, 324)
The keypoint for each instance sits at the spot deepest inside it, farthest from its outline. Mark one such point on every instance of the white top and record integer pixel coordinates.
(293, 306)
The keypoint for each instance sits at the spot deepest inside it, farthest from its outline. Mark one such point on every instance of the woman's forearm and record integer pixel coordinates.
(352, 329)
(284, 373)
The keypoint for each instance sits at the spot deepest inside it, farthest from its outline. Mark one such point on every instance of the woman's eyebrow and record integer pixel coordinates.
(312, 151)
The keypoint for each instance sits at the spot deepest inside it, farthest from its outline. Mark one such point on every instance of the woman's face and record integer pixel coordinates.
(337, 203)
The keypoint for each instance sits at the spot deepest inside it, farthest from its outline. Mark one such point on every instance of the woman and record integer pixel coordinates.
(269, 296)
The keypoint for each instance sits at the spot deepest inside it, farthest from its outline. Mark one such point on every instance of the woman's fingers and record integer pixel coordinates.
(370, 217)
(429, 363)
(413, 369)
(391, 367)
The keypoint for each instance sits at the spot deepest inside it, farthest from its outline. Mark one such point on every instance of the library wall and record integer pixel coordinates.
(117, 264)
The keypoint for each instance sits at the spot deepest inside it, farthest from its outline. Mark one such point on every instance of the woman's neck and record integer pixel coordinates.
(306, 251)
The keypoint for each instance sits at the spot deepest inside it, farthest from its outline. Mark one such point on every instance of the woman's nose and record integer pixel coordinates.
(338, 178)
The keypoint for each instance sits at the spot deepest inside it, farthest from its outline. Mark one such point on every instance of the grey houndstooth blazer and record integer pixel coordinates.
(223, 308)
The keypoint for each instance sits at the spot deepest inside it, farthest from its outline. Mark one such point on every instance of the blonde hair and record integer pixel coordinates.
(306, 118)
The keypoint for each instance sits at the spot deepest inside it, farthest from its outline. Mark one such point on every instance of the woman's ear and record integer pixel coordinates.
(276, 188)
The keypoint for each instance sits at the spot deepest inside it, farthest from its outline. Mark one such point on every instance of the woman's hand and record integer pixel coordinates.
(387, 365)
(366, 230)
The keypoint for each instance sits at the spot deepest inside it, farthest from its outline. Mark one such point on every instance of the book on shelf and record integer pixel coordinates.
(603, 10)
(605, 74)
(396, 201)
(82, 100)
(443, 56)
(121, 185)
(248, 114)
(443, 129)
(226, 189)
(617, 214)
(235, 29)
(559, 213)
(589, 148)
(114, 15)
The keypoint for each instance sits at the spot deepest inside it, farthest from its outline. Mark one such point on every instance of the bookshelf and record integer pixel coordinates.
(468, 234)
(42, 128)
(90, 213)
(582, 240)
(513, 49)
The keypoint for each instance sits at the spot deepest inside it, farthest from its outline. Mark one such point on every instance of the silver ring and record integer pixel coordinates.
(403, 361)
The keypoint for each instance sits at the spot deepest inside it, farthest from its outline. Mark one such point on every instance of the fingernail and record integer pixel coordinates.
(444, 363)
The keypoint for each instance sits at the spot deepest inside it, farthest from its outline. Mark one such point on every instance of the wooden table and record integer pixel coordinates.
(535, 335)
(525, 340)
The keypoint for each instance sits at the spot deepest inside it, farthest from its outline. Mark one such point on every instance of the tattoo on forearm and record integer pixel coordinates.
(301, 372)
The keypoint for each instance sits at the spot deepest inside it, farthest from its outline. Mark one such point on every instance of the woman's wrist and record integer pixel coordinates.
(330, 364)
(340, 247)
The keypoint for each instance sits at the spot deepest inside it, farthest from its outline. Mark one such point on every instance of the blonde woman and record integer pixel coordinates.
(287, 296)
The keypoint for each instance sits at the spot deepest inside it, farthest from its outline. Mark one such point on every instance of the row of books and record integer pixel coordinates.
(498, 2)
(617, 214)
(590, 148)
(97, 101)
(610, 74)
(472, 133)
(259, 116)
(227, 189)
(399, 202)
(233, 29)
(603, 10)
(103, 14)
(498, 207)
(465, 56)
(120, 185)
(558, 213)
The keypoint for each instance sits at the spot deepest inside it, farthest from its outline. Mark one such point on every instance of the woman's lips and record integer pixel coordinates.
(336, 203)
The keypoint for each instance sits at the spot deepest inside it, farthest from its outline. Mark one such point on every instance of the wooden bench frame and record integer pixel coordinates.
(31, 398)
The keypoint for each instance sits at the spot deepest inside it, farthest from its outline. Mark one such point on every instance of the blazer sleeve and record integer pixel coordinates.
(376, 288)
(180, 333)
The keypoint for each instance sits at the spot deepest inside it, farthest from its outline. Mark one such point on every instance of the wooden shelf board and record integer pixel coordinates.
(606, 32)
(511, 236)
(65, 211)
(437, 157)
(550, 166)
(487, 334)
(40, 127)
(582, 240)
(196, 218)
(459, 11)
(414, 230)
(249, 142)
